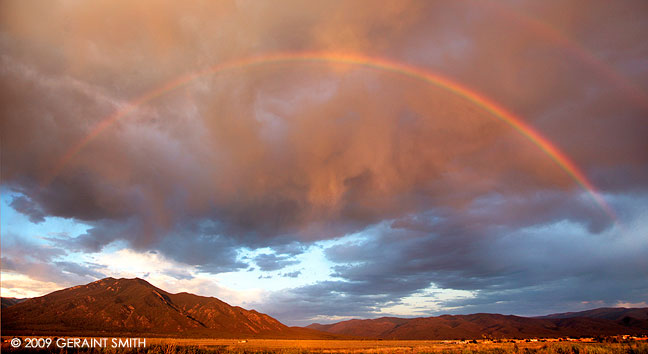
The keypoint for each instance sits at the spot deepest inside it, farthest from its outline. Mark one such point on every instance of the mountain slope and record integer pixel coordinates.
(480, 325)
(133, 306)
(10, 301)
(606, 313)
(375, 328)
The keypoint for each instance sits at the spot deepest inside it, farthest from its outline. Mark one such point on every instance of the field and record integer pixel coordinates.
(207, 346)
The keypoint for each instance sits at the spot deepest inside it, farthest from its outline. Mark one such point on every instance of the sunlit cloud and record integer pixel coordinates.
(325, 161)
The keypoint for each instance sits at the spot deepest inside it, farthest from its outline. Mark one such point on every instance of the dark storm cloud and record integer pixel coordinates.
(530, 269)
(565, 294)
(282, 155)
(209, 253)
(98, 235)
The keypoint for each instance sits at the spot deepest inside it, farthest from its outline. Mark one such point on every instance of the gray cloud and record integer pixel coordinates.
(27, 207)
(294, 274)
(44, 262)
(529, 269)
(284, 154)
(179, 274)
(269, 262)
(79, 269)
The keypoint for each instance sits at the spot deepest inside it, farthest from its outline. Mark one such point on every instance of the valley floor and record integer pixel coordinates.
(259, 346)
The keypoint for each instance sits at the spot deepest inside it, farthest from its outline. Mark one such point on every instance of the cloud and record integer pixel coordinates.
(532, 270)
(278, 156)
(80, 270)
(269, 262)
(294, 274)
(43, 263)
(283, 152)
(632, 304)
(27, 207)
(179, 274)
(21, 286)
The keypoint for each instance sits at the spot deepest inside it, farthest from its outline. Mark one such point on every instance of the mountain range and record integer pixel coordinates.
(606, 313)
(598, 322)
(135, 307)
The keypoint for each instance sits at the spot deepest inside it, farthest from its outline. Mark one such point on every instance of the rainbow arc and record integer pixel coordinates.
(418, 73)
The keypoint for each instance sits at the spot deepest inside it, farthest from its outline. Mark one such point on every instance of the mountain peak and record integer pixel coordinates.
(109, 280)
(133, 305)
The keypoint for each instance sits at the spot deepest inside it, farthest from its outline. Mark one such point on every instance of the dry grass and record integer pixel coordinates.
(401, 346)
(268, 346)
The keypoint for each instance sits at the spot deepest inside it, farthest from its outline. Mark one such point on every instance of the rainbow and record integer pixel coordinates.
(351, 59)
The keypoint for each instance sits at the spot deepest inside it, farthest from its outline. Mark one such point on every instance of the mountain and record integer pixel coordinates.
(481, 325)
(133, 306)
(361, 328)
(606, 313)
(10, 301)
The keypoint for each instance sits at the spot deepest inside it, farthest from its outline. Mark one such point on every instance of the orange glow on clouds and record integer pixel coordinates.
(418, 73)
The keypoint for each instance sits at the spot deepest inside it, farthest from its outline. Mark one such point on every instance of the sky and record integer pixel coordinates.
(321, 161)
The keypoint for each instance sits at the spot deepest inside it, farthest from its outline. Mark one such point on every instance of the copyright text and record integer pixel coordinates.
(45, 342)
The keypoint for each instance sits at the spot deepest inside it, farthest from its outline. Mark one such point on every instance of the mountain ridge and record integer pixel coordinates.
(480, 325)
(608, 313)
(134, 306)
